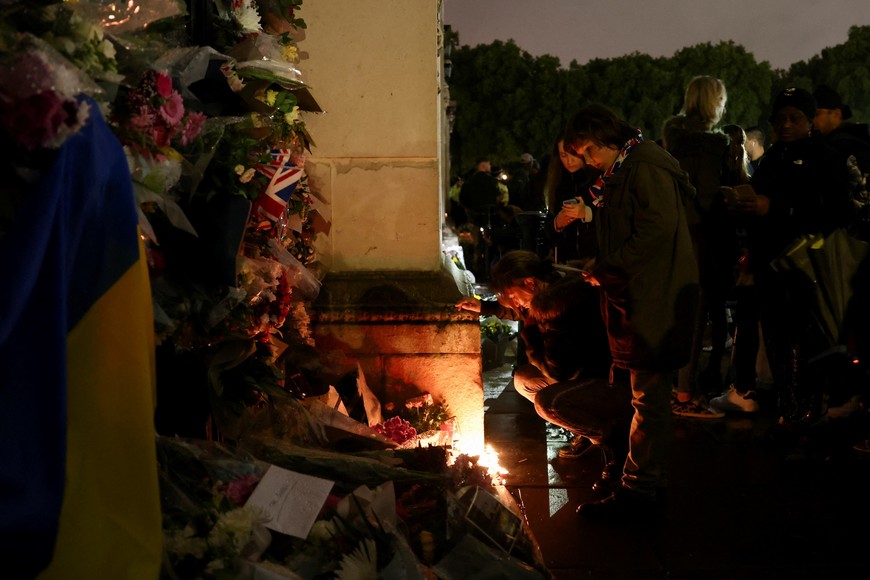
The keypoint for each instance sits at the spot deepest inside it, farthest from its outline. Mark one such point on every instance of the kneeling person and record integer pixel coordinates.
(568, 376)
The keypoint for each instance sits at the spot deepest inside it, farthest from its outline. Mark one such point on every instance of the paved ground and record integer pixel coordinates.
(739, 506)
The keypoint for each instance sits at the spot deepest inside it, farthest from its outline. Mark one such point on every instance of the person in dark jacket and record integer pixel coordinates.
(852, 140)
(649, 277)
(480, 194)
(568, 374)
(801, 188)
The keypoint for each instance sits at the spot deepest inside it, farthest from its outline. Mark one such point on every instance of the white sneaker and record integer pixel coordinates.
(734, 401)
(729, 342)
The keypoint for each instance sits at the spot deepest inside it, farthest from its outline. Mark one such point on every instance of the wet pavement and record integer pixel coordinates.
(740, 506)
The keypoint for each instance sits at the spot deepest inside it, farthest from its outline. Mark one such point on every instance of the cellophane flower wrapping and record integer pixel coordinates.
(39, 108)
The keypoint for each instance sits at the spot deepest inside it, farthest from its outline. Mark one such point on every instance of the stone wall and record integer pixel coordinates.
(408, 338)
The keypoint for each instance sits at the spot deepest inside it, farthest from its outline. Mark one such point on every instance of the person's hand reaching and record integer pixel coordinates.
(469, 303)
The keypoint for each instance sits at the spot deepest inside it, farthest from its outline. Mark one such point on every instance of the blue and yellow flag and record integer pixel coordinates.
(78, 473)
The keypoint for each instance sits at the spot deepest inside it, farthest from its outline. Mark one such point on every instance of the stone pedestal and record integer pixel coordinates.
(380, 167)
(403, 329)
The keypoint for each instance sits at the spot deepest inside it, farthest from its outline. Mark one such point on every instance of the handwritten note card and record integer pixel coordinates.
(290, 500)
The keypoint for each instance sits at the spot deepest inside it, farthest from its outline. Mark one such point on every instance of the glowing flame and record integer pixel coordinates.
(486, 457)
(489, 459)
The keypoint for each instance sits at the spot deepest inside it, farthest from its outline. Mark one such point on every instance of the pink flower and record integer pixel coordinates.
(192, 127)
(396, 429)
(172, 110)
(160, 135)
(239, 490)
(141, 121)
(164, 85)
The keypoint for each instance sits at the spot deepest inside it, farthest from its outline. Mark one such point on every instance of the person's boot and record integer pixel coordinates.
(576, 448)
(614, 450)
(611, 476)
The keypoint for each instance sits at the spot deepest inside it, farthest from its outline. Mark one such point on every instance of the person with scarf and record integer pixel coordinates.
(649, 277)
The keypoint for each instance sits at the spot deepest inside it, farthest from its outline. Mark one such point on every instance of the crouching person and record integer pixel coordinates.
(568, 375)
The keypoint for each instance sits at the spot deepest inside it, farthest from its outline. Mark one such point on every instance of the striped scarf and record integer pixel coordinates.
(597, 189)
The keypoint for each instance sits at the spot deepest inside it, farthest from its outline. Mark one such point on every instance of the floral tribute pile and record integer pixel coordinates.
(209, 110)
(390, 512)
(212, 128)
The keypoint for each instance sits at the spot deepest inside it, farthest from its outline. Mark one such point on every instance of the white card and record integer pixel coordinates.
(290, 500)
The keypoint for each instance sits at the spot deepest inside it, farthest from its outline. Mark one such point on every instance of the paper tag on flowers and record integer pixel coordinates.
(290, 500)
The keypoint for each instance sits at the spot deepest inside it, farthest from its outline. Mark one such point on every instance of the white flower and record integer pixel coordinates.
(247, 17)
(361, 564)
(248, 175)
(107, 48)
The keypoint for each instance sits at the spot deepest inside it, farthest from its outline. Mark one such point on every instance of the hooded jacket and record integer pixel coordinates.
(646, 264)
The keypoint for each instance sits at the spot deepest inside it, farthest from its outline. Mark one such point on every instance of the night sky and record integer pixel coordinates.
(780, 32)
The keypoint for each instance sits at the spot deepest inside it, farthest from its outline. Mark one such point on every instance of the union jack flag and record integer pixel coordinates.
(283, 179)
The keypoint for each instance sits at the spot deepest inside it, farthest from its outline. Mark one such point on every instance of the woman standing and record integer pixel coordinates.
(703, 151)
(569, 179)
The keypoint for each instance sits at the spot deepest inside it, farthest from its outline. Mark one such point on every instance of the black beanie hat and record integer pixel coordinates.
(828, 98)
(794, 97)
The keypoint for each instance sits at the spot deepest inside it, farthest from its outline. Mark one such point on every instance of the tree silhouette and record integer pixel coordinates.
(509, 102)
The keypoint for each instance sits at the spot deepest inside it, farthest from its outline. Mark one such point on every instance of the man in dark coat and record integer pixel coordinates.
(649, 275)
(802, 188)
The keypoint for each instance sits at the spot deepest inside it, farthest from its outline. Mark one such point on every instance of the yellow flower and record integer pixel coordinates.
(292, 116)
(270, 97)
(290, 53)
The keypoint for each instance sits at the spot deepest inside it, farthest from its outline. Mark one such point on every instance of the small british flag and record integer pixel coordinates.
(283, 180)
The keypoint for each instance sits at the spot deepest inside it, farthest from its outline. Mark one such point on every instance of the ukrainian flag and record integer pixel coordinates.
(78, 472)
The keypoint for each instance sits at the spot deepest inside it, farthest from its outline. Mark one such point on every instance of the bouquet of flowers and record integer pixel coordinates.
(83, 42)
(151, 117)
(396, 429)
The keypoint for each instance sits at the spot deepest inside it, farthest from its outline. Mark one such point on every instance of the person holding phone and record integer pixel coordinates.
(571, 236)
(648, 276)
